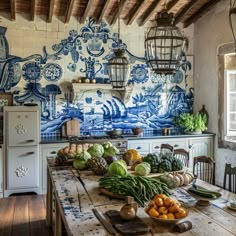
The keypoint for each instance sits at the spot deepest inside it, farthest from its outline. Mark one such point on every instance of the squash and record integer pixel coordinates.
(131, 156)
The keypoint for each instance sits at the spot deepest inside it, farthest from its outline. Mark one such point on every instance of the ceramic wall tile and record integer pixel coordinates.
(73, 51)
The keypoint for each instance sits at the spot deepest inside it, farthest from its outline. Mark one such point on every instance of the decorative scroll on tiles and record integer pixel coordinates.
(21, 171)
(154, 102)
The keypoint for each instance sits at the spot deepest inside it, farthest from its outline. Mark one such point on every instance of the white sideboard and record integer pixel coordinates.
(196, 146)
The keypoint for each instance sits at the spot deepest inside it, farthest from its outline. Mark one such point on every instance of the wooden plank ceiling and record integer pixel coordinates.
(141, 11)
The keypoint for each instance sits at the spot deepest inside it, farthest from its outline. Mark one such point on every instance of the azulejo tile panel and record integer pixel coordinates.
(46, 79)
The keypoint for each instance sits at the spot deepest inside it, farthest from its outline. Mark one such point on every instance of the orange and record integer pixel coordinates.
(163, 216)
(152, 204)
(163, 210)
(161, 195)
(153, 212)
(168, 202)
(159, 202)
(170, 216)
(180, 213)
(174, 208)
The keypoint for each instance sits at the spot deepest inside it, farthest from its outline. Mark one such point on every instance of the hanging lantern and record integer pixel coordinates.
(232, 21)
(118, 69)
(118, 66)
(164, 45)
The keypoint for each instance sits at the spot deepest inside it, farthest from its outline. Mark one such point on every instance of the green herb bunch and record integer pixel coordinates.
(192, 122)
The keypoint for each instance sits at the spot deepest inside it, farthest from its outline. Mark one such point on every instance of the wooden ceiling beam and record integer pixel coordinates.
(106, 2)
(32, 9)
(171, 5)
(13, 10)
(203, 10)
(154, 11)
(69, 10)
(86, 11)
(50, 12)
(136, 11)
(150, 13)
(119, 8)
(179, 16)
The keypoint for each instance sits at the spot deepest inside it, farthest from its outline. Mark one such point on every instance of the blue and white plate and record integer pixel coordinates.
(52, 72)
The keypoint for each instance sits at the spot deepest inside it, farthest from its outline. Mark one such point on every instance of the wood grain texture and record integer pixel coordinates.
(7, 215)
(130, 10)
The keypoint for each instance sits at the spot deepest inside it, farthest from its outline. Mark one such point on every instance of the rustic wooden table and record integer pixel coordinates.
(68, 203)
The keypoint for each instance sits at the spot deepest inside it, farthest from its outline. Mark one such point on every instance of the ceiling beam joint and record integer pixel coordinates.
(13, 10)
(69, 10)
(86, 11)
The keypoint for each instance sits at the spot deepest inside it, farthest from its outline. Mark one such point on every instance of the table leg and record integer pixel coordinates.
(58, 221)
(49, 200)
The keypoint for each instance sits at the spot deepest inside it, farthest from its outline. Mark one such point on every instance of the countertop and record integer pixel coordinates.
(156, 135)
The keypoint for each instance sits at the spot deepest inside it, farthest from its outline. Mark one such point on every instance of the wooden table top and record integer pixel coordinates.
(77, 215)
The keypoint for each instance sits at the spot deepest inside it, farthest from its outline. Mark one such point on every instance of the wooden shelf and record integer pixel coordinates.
(124, 94)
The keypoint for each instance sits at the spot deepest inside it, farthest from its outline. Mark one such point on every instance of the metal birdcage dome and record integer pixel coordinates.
(118, 69)
(164, 45)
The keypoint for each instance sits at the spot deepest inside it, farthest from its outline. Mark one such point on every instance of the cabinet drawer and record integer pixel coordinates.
(176, 143)
(22, 167)
(140, 146)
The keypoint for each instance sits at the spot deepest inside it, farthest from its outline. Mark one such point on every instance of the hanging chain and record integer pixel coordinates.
(118, 23)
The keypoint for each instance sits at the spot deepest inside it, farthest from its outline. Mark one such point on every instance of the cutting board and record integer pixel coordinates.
(71, 128)
(127, 227)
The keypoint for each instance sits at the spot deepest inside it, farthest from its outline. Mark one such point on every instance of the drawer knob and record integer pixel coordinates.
(156, 147)
(190, 146)
(53, 152)
(138, 148)
(176, 145)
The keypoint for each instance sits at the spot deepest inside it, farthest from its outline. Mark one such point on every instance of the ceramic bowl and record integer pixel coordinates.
(137, 130)
(114, 133)
(163, 221)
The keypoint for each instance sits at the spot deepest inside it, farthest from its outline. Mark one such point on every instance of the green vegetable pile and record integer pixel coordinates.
(192, 122)
(163, 162)
(143, 189)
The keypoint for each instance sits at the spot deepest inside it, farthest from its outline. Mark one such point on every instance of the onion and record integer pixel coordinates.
(181, 179)
(186, 179)
(177, 180)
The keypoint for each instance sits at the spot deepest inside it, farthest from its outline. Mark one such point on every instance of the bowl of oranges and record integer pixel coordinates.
(165, 209)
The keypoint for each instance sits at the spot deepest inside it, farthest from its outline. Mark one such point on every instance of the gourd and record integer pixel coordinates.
(131, 156)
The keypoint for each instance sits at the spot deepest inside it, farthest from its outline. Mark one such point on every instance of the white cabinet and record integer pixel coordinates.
(196, 146)
(200, 146)
(48, 151)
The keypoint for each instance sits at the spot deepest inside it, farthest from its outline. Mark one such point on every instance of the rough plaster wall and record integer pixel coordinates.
(209, 32)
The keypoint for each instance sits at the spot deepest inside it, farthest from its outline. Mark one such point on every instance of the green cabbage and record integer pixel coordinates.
(106, 145)
(81, 159)
(143, 168)
(96, 150)
(110, 151)
(118, 167)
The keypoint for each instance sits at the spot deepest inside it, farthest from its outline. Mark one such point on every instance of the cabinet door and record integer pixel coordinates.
(142, 146)
(48, 151)
(22, 167)
(22, 128)
(200, 146)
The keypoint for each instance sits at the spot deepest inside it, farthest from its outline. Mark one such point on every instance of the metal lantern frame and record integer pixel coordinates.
(118, 66)
(232, 20)
(164, 45)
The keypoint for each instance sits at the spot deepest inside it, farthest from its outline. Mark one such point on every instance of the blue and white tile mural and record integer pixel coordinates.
(154, 102)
